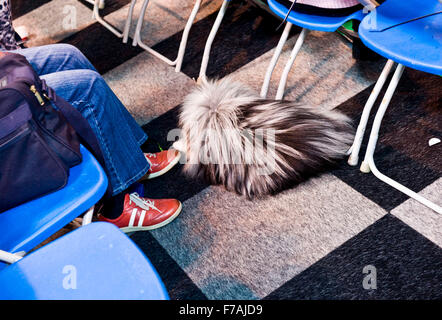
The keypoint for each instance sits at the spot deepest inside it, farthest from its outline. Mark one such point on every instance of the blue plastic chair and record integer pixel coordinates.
(93, 262)
(307, 22)
(415, 44)
(24, 227)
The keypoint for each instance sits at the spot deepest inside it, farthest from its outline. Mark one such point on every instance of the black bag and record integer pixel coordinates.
(38, 143)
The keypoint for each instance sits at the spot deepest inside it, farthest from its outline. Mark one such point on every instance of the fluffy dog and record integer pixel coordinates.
(256, 146)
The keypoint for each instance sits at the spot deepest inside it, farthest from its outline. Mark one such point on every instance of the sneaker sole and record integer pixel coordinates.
(156, 226)
(167, 168)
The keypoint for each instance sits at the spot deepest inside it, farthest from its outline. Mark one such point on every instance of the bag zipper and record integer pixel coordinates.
(37, 95)
(14, 136)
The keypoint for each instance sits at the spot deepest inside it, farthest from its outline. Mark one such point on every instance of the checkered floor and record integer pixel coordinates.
(309, 242)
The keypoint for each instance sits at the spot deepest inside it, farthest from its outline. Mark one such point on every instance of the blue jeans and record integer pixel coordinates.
(73, 77)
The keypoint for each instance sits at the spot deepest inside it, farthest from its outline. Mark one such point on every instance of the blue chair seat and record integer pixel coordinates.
(409, 44)
(96, 261)
(25, 226)
(312, 22)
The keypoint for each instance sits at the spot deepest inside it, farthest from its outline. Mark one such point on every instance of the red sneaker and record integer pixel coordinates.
(141, 214)
(161, 162)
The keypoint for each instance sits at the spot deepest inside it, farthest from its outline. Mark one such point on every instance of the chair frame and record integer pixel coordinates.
(99, 4)
(10, 258)
(208, 47)
(356, 146)
(294, 53)
(137, 34)
(369, 164)
(271, 67)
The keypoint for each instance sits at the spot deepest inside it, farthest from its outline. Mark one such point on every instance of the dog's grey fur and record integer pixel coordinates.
(257, 146)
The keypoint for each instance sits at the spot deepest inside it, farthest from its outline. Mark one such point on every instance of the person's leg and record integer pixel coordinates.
(119, 135)
(62, 57)
(119, 138)
(55, 57)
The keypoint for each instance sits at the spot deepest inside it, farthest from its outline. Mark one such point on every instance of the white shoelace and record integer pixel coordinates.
(153, 155)
(143, 203)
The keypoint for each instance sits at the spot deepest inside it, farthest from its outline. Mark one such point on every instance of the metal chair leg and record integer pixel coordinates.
(369, 164)
(288, 66)
(274, 60)
(185, 36)
(213, 31)
(87, 218)
(354, 149)
(178, 61)
(101, 4)
(107, 25)
(9, 257)
(128, 21)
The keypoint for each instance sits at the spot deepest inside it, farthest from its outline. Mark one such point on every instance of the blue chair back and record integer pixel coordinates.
(24, 227)
(415, 44)
(312, 22)
(96, 261)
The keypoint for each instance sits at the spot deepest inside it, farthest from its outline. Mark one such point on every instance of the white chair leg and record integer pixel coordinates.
(20, 253)
(101, 4)
(354, 149)
(87, 218)
(137, 36)
(212, 34)
(128, 21)
(108, 26)
(288, 66)
(185, 36)
(378, 118)
(369, 163)
(274, 60)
